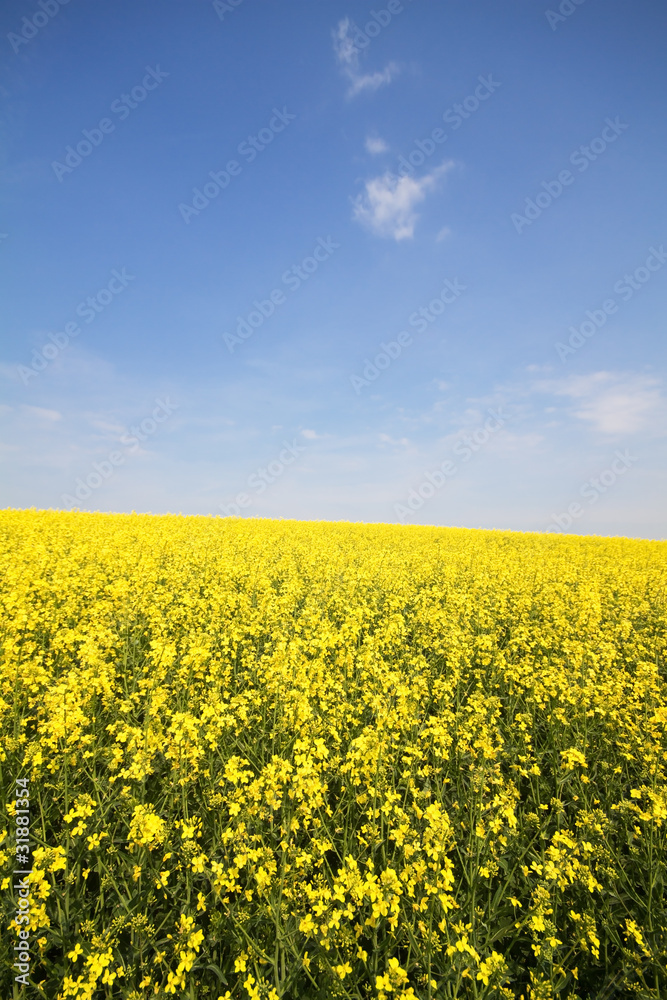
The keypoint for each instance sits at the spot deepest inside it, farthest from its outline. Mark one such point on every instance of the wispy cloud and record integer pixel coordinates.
(375, 145)
(372, 81)
(387, 207)
(395, 442)
(613, 402)
(347, 55)
(41, 413)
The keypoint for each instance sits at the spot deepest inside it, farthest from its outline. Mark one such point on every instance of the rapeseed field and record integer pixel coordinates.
(250, 759)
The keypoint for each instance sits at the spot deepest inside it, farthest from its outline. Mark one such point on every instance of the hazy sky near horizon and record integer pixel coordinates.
(395, 262)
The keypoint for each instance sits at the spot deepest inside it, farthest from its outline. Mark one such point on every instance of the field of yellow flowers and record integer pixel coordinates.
(307, 760)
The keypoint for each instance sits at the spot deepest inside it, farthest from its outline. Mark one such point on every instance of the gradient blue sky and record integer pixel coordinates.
(583, 429)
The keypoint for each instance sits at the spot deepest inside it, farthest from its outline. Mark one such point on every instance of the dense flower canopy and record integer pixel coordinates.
(282, 759)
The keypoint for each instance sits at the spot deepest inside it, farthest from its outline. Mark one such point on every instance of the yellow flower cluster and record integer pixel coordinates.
(272, 760)
(146, 828)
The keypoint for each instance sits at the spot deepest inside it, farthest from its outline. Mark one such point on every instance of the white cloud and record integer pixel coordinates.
(613, 403)
(345, 49)
(387, 208)
(100, 423)
(443, 234)
(347, 55)
(41, 413)
(375, 145)
(310, 435)
(388, 439)
(371, 81)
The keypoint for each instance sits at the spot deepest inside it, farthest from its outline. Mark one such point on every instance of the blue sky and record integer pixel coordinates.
(469, 194)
